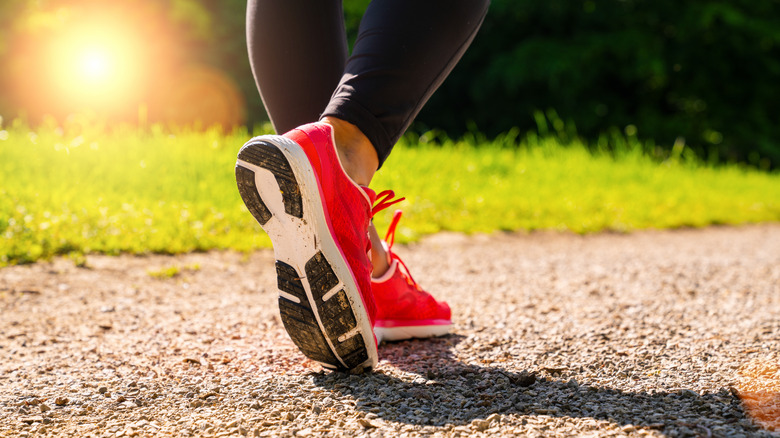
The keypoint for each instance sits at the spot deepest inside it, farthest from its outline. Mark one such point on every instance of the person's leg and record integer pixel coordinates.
(297, 50)
(404, 51)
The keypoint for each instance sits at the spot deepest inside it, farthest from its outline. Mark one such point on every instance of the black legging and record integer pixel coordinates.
(404, 50)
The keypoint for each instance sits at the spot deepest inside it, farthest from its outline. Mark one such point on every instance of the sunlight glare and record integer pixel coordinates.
(95, 65)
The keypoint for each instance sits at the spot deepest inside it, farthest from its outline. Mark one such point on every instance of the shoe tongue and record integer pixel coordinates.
(371, 194)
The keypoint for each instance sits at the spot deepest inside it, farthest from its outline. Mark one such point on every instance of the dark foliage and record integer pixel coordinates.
(705, 71)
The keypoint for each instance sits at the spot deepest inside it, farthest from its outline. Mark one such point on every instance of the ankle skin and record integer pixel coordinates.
(357, 155)
(380, 259)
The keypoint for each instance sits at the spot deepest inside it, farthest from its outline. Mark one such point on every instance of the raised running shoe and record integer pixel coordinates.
(317, 219)
(404, 309)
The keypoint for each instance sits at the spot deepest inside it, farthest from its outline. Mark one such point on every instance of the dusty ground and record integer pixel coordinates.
(648, 334)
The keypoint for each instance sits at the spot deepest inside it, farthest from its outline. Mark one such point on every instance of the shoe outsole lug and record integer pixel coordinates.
(268, 156)
(325, 314)
(245, 179)
(299, 319)
(321, 277)
(336, 313)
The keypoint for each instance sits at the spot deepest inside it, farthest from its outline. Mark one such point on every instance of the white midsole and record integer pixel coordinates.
(409, 332)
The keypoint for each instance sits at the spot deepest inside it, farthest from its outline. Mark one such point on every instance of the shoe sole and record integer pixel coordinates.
(319, 300)
(397, 332)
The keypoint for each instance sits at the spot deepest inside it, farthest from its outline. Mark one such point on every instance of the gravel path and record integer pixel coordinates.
(673, 333)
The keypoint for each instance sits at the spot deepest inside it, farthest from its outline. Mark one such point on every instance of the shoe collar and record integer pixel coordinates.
(394, 262)
(390, 271)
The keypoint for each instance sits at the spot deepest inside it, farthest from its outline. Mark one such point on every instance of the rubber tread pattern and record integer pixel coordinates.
(268, 156)
(336, 314)
(299, 319)
(245, 179)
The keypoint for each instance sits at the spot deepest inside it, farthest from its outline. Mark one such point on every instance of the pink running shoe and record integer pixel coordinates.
(404, 310)
(317, 219)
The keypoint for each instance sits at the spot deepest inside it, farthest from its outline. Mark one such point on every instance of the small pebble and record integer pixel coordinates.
(61, 401)
(365, 423)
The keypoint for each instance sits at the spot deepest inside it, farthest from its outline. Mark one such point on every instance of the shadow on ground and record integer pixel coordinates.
(481, 391)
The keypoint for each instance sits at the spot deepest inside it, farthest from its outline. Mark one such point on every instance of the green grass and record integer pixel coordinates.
(86, 189)
(172, 271)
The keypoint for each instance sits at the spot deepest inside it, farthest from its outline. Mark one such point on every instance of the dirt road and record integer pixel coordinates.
(672, 333)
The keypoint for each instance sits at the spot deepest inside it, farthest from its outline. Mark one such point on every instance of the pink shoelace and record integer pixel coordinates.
(382, 201)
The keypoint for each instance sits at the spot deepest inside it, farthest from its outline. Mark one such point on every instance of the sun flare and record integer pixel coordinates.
(95, 65)
(119, 63)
